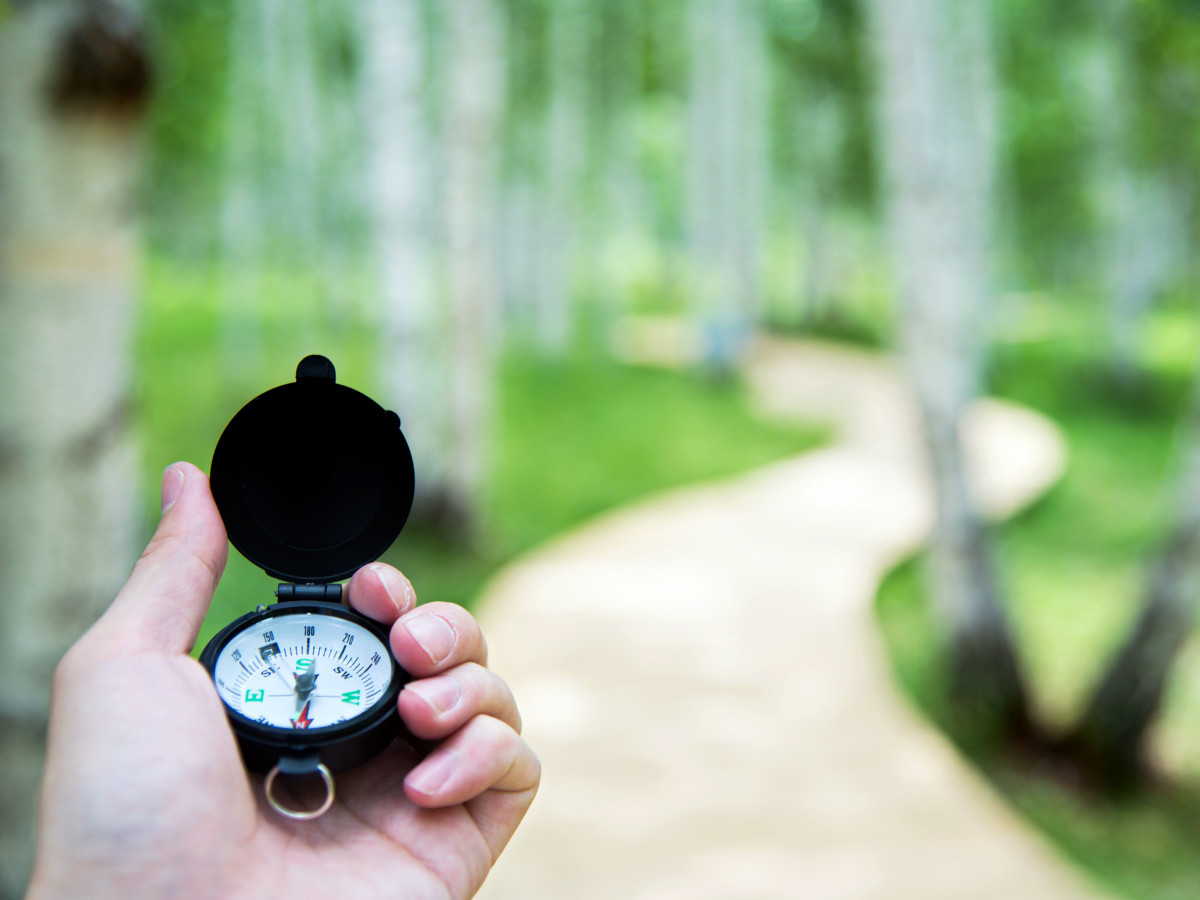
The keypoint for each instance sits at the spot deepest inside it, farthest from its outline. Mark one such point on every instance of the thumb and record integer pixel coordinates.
(169, 592)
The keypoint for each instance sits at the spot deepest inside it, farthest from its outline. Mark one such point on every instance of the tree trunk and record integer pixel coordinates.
(1124, 251)
(817, 130)
(474, 103)
(936, 103)
(291, 79)
(623, 221)
(1110, 737)
(727, 156)
(242, 224)
(566, 140)
(73, 81)
(399, 149)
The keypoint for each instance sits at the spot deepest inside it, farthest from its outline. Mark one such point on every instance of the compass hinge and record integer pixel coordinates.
(289, 591)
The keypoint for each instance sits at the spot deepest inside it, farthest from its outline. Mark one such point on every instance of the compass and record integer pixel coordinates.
(313, 480)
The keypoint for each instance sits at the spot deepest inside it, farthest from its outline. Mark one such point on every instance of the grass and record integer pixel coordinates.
(572, 438)
(1072, 570)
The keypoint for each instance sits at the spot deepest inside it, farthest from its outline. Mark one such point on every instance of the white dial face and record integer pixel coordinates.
(303, 670)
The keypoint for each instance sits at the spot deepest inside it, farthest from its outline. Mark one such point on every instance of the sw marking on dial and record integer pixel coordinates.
(303, 671)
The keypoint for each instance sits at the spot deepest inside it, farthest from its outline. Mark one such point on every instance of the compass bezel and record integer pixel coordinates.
(341, 745)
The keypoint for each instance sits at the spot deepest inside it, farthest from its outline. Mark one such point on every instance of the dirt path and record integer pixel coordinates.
(702, 676)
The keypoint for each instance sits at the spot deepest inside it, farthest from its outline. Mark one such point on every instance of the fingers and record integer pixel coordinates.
(483, 755)
(168, 593)
(380, 592)
(442, 646)
(452, 696)
(434, 708)
(436, 637)
(482, 762)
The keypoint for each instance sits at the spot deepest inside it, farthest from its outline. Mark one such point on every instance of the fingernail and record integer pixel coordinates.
(172, 485)
(431, 776)
(442, 694)
(433, 634)
(398, 589)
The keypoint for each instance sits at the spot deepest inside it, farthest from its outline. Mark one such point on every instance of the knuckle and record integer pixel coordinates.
(534, 763)
(492, 730)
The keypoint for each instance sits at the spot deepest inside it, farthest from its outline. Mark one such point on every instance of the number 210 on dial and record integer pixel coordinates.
(303, 671)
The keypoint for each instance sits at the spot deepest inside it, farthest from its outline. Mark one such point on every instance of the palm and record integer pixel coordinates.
(371, 840)
(373, 834)
(223, 839)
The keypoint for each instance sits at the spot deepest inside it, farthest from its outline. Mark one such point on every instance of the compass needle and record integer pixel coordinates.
(306, 683)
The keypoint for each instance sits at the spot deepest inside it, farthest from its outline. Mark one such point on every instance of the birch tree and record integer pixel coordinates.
(566, 160)
(474, 101)
(936, 108)
(817, 132)
(73, 80)
(242, 226)
(1111, 734)
(622, 220)
(727, 108)
(400, 178)
(437, 359)
(1135, 204)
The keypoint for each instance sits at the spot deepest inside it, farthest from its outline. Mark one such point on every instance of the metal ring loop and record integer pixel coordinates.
(300, 814)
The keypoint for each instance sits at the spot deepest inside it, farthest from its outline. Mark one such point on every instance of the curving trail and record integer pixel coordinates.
(703, 680)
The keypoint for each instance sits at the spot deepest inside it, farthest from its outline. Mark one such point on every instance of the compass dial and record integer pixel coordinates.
(297, 671)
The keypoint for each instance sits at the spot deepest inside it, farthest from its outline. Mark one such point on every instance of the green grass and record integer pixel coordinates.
(571, 438)
(1072, 569)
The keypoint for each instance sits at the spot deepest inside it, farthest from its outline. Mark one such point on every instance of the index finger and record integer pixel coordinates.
(380, 592)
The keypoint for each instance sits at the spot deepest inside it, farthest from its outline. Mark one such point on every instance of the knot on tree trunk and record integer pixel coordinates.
(102, 62)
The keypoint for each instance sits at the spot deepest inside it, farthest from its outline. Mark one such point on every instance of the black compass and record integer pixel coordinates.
(313, 480)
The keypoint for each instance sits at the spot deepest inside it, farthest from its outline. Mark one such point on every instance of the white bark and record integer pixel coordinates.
(727, 159)
(566, 140)
(623, 227)
(1146, 240)
(343, 206)
(242, 223)
(68, 502)
(293, 93)
(935, 107)
(474, 102)
(1143, 216)
(399, 173)
(818, 133)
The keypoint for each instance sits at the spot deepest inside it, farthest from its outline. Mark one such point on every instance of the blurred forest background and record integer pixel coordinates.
(484, 210)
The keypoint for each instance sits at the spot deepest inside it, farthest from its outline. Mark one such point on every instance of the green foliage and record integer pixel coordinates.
(189, 43)
(572, 438)
(1073, 568)
(1142, 847)
(582, 436)
(821, 114)
(836, 324)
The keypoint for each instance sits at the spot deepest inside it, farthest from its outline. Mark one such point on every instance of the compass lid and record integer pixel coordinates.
(313, 479)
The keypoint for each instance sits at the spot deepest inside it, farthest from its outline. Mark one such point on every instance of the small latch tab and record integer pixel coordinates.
(289, 591)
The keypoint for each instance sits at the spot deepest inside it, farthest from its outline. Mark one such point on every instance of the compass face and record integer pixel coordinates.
(303, 670)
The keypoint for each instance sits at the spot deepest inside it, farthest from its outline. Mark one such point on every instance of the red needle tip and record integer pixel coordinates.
(303, 721)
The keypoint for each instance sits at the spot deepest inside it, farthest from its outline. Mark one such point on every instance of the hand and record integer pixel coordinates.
(145, 795)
